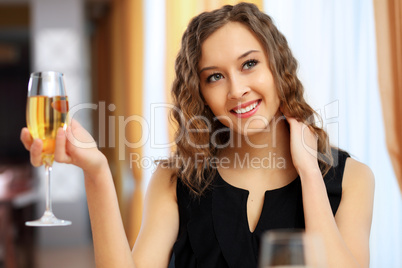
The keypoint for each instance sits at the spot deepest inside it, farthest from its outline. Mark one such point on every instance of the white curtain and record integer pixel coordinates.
(334, 42)
(155, 111)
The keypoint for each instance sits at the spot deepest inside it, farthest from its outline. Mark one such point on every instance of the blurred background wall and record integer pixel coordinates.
(118, 56)
(41, 35)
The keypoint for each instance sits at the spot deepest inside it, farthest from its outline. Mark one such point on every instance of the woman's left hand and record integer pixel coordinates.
(303, 146)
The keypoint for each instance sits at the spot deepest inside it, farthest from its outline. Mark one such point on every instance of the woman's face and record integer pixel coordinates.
(236, 81)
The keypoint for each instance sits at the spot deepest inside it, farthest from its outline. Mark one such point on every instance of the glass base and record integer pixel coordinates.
(48, 219)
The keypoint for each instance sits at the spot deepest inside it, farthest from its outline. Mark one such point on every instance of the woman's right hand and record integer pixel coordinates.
(73, 146)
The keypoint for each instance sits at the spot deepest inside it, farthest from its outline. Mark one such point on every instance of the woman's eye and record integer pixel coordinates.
(214, 78)
(249, 64)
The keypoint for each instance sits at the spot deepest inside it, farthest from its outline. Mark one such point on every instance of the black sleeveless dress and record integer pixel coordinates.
(214, 229)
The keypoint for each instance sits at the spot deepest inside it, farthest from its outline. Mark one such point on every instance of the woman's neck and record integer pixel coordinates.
(266, 149)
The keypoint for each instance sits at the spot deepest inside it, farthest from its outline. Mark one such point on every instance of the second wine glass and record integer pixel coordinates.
(291, 248)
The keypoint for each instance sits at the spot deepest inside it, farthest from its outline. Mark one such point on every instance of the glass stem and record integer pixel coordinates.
(48, 169)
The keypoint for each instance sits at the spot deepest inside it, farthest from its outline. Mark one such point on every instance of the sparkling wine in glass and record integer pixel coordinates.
(47, 110)
(291, 249)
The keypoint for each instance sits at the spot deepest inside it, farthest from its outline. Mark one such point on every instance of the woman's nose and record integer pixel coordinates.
(237, 90)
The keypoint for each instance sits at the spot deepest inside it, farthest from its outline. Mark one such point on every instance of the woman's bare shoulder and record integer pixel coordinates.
(357, 175)
(355, 212)
(160, 222)
(163, 180)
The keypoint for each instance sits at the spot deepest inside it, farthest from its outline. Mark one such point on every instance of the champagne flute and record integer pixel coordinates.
(47, 109)
(291, 248)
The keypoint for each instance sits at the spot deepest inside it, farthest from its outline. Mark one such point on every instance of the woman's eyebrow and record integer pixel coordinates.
(240, 57)
(247, 53)
(207, 68)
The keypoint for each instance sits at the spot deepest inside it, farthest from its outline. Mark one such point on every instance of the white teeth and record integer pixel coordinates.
(247, 109)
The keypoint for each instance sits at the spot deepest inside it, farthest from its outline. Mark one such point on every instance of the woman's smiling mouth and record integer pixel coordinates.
(247, 109)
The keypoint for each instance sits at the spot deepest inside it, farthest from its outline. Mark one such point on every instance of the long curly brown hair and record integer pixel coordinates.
(194, 149)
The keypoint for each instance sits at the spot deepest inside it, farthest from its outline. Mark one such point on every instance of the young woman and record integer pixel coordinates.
(249, 158)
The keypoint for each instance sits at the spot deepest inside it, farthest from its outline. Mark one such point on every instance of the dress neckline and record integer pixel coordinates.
(246, 193)
(222, 180)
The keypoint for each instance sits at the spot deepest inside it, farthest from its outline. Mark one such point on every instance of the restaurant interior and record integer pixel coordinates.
(117, 58)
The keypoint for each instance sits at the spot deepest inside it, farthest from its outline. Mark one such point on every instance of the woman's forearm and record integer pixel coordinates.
(320, 220)
(110, 242)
